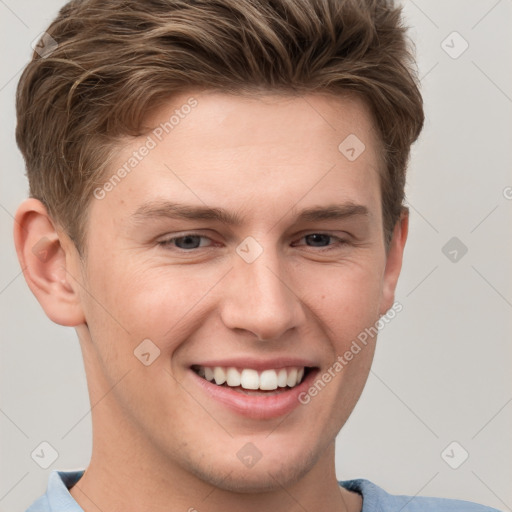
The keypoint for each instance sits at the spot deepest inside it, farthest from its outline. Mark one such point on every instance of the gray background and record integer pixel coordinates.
(442, 367)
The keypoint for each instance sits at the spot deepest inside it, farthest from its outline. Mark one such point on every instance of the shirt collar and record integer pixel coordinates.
(57, 493)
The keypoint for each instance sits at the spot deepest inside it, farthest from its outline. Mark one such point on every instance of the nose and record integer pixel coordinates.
(259, 298)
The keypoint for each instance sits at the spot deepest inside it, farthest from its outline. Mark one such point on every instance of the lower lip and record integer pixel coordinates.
(254, 406)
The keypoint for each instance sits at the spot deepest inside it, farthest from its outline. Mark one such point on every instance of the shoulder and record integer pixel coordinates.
(376, 499)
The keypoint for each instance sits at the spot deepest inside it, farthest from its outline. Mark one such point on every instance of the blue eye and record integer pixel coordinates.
(321, 240)
(318, 239)
(190, 241)
(185, 242)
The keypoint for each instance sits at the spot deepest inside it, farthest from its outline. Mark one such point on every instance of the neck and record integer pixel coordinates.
(124, 475)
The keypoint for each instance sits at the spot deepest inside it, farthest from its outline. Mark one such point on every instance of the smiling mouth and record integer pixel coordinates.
(250, 381)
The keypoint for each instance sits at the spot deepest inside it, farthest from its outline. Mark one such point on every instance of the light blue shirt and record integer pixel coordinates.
(375, 499)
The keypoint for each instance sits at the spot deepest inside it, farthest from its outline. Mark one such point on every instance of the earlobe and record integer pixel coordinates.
(394, 261)
(45, 255)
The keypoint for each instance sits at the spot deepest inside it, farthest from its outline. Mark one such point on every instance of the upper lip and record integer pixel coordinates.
(258, 364)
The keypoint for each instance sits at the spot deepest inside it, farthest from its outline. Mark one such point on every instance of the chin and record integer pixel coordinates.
(265, 476)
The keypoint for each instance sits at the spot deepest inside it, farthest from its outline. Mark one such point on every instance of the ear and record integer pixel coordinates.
(394, 261)
(49, 261)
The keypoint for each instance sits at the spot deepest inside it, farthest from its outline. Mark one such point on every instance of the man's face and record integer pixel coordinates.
(274, 291)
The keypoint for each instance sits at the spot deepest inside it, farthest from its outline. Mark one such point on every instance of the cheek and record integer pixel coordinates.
(346, 297)
(163, 303)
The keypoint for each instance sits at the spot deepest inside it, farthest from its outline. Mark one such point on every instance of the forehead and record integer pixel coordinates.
(251, 119)
(259, 153)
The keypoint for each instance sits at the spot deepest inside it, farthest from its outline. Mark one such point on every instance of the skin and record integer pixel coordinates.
(159, 443)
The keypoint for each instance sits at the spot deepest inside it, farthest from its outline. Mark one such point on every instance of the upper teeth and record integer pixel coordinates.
(247, 378)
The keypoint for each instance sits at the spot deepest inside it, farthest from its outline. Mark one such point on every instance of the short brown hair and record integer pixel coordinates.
(115, 60)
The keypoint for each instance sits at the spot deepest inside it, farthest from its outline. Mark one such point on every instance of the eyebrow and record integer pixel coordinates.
(168, 209)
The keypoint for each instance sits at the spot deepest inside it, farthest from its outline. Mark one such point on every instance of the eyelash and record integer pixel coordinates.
(167, 243)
